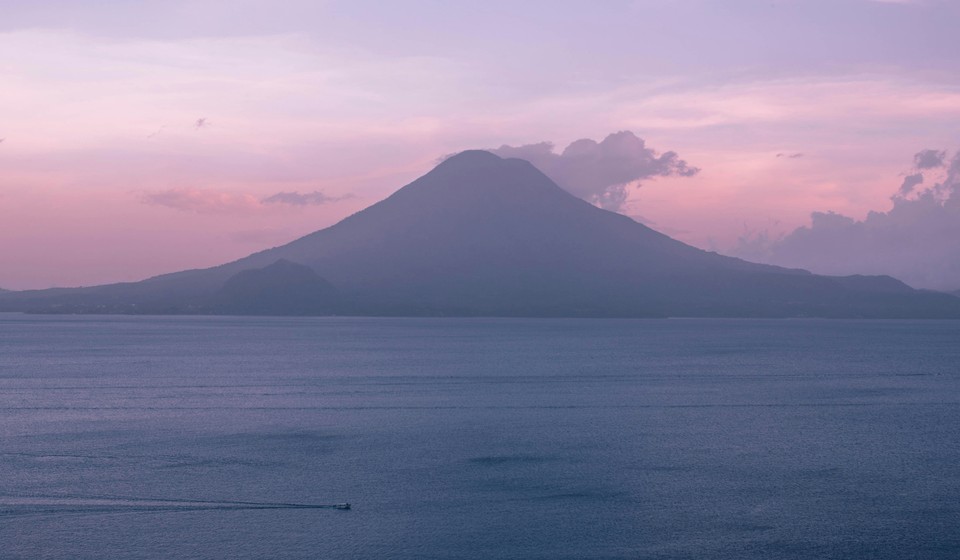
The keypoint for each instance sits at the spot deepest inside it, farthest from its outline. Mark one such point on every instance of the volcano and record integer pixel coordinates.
(480, 235)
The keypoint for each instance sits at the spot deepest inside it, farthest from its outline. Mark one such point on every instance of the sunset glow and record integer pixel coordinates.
(146, 138)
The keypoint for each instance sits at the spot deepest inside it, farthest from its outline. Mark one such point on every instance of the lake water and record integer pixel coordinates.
(193, 437)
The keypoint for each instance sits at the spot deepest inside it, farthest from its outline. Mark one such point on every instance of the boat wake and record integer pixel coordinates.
(42, 505)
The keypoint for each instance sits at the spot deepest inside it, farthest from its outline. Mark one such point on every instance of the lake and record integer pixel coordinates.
(208, 437)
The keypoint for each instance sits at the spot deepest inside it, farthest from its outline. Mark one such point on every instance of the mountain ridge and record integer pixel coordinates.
(483, 235)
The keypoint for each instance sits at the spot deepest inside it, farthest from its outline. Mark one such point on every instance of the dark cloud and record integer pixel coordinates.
(917, 241)
(200, 123)
(929, 159)
(601, 172)
(952, 181)
(909, 183)
(302, 199)
(794, 155)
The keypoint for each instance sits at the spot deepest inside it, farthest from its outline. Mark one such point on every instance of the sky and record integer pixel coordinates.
(143, 137)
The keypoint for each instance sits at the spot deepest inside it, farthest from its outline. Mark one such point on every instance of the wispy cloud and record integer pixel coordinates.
(210, 201)
(202, 201)
(314, 198)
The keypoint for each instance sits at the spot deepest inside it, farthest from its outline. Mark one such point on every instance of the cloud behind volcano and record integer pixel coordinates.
(601, 172)
(917, 240)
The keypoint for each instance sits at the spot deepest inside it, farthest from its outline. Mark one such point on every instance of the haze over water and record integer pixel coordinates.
(147, 437)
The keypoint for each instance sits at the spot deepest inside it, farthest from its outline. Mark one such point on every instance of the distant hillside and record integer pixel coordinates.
(282, 288)
(484, 236)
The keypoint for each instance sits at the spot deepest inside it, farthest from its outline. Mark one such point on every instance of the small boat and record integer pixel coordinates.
(345, 505)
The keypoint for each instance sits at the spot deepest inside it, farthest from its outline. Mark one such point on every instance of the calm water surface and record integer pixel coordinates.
(171, 437)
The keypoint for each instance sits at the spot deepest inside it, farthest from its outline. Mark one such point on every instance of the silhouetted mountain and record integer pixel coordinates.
(282, 288)
(481, 235)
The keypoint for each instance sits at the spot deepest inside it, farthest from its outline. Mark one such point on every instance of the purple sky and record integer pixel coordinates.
(147, 137)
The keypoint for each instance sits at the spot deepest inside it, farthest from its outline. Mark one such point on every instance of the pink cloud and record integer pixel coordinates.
(914, 241)
(209, 201)
(202, 201)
